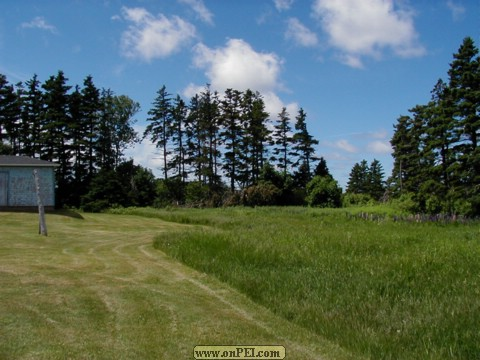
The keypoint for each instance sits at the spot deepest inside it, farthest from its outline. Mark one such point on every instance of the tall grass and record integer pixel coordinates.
(382, 289)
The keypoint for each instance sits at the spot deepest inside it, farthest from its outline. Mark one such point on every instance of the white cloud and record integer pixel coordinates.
(342, 144)
(200, 9)
(300, 34)
(238, 66)
(274, 105)
(379, 147)
(39, 22)
(457, 10)
(366, 28)
(283, 4)
(192, 89)
(149, 37)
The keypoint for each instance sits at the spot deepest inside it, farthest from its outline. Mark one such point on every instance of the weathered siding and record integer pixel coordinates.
(17, 184)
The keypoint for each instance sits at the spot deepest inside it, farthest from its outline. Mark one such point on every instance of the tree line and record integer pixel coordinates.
(225, 149)
(224, 144)
(215, 149)
(84, 129)
(435, 148)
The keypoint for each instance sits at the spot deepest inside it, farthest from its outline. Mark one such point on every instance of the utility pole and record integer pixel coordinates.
(42, 225)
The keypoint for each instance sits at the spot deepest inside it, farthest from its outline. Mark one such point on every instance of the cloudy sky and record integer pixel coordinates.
(354, 66)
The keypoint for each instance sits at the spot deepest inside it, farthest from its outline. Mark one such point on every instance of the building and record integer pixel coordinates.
(17, 183)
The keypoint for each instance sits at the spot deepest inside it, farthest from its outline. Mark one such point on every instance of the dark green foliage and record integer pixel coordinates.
(9, 114)
(321, 169)
(82, 129)
(160, 127)
(282, 143)
(262, 194)
(436, 156)
(197, 194)
(170, 192)
(323, 191)
(212, 139)
(232, 135)
(127, 185)
(367, 180)
(304, 149)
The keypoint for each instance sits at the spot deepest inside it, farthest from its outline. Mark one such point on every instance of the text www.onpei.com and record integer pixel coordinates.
(209, 352)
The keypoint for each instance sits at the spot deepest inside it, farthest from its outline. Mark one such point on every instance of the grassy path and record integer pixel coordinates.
(96, 289)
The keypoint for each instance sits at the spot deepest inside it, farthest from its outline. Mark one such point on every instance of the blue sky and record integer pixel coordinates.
(354, 66)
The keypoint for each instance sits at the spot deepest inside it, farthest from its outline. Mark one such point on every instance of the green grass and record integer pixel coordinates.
(381, 289)
(95, 288)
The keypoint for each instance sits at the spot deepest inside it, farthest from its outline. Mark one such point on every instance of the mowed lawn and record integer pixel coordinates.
(95, 288)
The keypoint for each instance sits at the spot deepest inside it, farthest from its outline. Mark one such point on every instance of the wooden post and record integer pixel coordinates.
(42, 225)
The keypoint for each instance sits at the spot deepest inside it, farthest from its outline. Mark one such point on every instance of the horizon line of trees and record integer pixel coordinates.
(84, 129)
(214, 148)
(225, 149)
(228, 141)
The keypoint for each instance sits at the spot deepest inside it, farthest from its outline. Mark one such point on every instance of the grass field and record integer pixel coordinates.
(381, 289)
(95, 288)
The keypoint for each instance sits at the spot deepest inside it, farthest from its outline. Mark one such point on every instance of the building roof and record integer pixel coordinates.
(23, 161)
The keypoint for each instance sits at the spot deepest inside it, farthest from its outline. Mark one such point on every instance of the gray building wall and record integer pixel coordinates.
(17, 186)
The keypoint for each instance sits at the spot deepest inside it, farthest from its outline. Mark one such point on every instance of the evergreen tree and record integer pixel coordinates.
(195, 139)
(321, 169)
(441, 138)
(232, 134)
(282, 143)
(179, 132)
(408, 167)
(160, 127)
(436, 152)
(359, 179)
(256, 136)
(464, 82)
(78, 186)
(376, 182)
(87, 128)
(56, 132)
(9, 115)
(209, 124)
(32, 114)
(304, 145)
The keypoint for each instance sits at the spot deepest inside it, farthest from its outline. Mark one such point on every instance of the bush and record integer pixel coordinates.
(169, 192)
(323, 191)
(407, 203)
(262, 194)
(351, 199)
(196, 194)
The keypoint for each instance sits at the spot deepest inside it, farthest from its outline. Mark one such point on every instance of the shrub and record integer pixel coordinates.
(351, 199)
(196, 194)
(262, 194)
(323, 191)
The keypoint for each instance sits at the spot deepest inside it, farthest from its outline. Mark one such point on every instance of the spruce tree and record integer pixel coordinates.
(232, 134)
(56, 131)
(32, 113)
(464, 82)
(88, 126)
(282, 142)
(256, 136)
(303, 146)
(376, 182)
(179, 143)
(9, 115)
(359, 179)
(159, 129)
